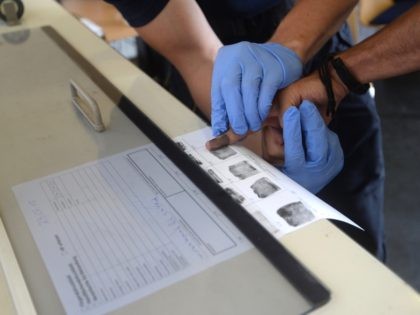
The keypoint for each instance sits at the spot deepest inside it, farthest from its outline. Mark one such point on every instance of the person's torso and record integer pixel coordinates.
(237, 8)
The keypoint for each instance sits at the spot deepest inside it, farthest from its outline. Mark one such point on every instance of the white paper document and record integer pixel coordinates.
(277, 202)
(115, 230)
(118, 229)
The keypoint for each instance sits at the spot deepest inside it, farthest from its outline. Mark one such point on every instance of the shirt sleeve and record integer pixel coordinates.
(139, 12)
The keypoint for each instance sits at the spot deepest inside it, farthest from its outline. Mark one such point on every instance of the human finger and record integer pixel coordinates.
(251, 81)
(223, 140)
(267, 91)
(219, 119)
(294, 154)
(314, 133)
(231, 92)
(273, 145)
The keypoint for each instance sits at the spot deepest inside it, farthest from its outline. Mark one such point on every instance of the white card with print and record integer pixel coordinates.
(277, 202)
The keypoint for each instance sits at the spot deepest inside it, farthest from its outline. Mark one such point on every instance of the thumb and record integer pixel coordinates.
(284, 99)
(223, 140)
(273, 117)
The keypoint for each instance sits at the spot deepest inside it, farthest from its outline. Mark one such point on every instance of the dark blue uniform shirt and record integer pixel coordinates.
(141, 12)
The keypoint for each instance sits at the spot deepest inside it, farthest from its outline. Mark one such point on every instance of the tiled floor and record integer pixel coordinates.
(398, 102)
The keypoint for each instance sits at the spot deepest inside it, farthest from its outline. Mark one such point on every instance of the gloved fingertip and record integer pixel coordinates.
(307, 107)
(255, 128)
(311, 118)
(255, 124)
(291, 113)
(262, 116)
(241, 131)
(217, 132)
(218, 126)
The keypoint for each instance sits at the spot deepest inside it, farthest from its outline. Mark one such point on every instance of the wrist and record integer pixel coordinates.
(296, 46)
(293, 44)
(283, 49)
(347, 77)
(333, 86)
(290, 65)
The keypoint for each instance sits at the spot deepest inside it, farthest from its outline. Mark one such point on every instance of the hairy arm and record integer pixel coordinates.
(310, 24)
(393, 51)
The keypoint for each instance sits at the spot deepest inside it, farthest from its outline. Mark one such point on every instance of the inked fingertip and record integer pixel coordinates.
(208, 145)
(218, 142)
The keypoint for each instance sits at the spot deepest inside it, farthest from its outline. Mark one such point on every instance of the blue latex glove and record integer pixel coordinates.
(312, 152)
(246, 77)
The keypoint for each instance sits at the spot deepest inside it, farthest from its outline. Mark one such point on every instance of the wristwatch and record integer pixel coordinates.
(347, 77)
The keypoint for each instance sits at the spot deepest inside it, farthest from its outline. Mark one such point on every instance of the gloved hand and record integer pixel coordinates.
(312, 153)
(246, 76)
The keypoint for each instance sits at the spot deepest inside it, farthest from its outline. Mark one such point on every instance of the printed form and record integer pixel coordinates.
(118, 229)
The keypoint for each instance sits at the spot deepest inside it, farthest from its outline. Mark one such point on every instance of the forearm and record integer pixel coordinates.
(181, 33)
(310, 24)
(392, 51)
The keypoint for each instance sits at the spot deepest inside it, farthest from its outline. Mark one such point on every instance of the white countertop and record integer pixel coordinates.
(358, 282)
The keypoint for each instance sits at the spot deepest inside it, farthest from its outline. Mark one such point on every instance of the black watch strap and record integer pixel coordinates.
(326, 81)
(347, 77)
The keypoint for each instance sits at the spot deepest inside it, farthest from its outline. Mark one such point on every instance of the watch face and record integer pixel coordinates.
(17, 37)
